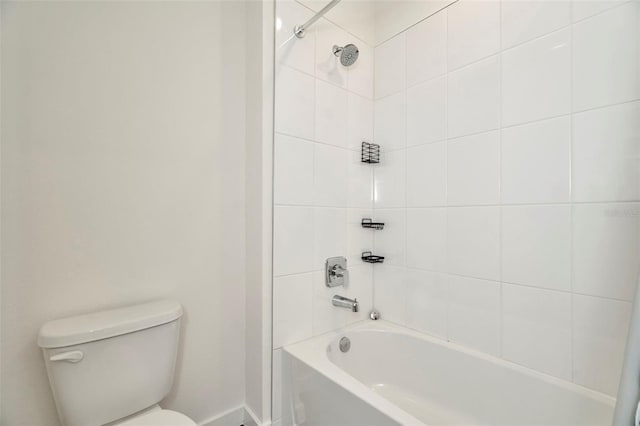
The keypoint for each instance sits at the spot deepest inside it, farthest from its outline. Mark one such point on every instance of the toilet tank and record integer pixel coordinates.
(108, 365)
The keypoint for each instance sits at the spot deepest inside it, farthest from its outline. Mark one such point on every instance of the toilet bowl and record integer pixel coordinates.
(114, 367)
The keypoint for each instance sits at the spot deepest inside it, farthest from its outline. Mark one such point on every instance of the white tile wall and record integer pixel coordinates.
(528, 148)
(473, 241)
(474, 313)
(331, 114)
(536, 329)
(599, 336)
(508, 183)
(516, 167)
(473, 169)
(427, 302)
(321, 189)
(606, 249)
(473, 31)
(536, 246)
(474, 98)
(525, 20)
(427, 42)
(389, 71)
(292, 303)
(536, 79)
(427, 239)
(605, 58)
(426, 173)
(427, 112)
(605, 154)
(389, 126)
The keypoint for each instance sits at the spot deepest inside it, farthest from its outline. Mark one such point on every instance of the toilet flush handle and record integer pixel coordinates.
(73, 356)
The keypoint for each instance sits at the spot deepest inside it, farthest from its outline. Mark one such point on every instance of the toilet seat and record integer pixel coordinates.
(160, 418)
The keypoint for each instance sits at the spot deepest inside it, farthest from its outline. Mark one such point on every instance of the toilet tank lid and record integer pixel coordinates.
(104, 324)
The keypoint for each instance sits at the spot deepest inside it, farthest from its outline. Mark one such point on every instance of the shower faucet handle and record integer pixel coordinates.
(336, 271)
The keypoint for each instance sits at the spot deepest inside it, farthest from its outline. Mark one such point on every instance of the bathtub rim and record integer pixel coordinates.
(313, 352)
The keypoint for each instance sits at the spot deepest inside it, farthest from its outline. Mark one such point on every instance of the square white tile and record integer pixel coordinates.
(390, 130)
(536, 329)
(599, 339)
(536, 162)
(473, 31)
(536, 79)
(360, 121)
(330, 235)
(293, 171)
(474, 313)
(528, 19)
(606, 143)
(427, 112)
(606, 249)
(292, 240)
(473, 169)
(389, 72)
(473, 241)
(331, 170)
(605, 68)
(427, 239)
(295, 106)
(390, 293)
(427, 302)
(360, 182)
(427, 175)
(536, 246)
(331, 114)
(474, 98)
(427, 49)
(389, 176)
(292, 309)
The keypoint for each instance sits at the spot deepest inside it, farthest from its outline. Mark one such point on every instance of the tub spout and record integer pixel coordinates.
(344, 302)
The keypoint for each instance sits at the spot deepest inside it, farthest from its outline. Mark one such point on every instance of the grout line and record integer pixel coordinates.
(511, 283)
(469, 206)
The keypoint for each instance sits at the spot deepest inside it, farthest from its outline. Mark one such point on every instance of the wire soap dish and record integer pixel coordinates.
(370, 153)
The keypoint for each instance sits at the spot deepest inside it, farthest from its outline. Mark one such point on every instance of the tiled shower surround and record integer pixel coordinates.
(509, 180)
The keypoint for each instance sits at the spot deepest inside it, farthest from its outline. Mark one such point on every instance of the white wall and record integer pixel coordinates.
(259, 207)
(122, 175)
(509, 181)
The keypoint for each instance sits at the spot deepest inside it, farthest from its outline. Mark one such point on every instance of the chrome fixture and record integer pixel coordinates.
(345, 344)
(299, 30)
(345, 302)
(374, 315)
(336, 271)
(348, 54)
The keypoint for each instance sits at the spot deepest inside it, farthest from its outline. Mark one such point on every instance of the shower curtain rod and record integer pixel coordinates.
(299, 30)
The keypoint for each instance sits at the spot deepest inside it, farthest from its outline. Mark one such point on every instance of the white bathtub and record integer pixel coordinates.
(392, 375)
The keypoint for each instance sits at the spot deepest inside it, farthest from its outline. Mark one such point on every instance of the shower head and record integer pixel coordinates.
(347, 54)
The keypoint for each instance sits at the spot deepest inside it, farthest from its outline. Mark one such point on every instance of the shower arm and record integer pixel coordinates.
(299, 30)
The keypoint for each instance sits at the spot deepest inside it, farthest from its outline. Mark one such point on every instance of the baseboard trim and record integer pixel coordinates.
(250, 418)
(237, 416)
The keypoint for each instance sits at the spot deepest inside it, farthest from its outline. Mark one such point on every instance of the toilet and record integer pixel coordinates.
(114, 367)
